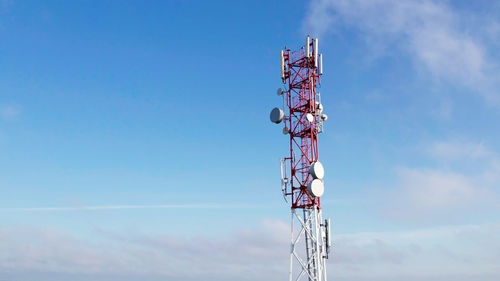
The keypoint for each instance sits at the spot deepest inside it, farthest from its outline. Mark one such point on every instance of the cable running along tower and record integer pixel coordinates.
(301, 172)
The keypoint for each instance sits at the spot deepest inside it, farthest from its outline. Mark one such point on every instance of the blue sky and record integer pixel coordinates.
(135, 142)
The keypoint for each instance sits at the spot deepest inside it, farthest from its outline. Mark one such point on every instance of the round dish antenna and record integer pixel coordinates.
(324, 117)
(309, 117)
(316, 170)
(319, 107)
(277, 115)
(316, 188)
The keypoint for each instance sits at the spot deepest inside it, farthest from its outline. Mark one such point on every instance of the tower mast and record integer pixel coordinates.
(301, 172)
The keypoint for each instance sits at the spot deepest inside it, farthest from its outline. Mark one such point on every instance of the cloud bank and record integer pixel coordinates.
(442, 42)
(462, 178)
(467, 252)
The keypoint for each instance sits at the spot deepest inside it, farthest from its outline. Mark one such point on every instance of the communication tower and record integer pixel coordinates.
(301, 172)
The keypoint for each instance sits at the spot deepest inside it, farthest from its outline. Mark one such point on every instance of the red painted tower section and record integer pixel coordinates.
(301, 74)
(302, 174)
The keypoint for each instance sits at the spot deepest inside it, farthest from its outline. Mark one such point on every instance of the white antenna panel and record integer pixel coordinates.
(307, 46)
(282, 65)
(320, 64)
(316, 53)
(327, 234)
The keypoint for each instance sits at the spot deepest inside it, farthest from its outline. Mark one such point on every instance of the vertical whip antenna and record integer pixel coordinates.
(307, 46)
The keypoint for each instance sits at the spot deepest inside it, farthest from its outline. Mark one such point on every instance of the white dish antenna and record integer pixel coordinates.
(277, 115)
(316, 170)
(324, 117)
(316, 188)
(319, 107)
(309, 117)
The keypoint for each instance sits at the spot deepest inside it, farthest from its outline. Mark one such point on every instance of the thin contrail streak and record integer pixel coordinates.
(125, 207)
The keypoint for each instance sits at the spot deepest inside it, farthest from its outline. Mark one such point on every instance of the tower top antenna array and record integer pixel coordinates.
(302, 175)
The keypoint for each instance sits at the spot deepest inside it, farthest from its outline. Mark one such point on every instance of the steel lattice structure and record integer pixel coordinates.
(301, 172)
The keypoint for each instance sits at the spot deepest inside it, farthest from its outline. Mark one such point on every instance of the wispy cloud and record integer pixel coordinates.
(249, 251)
(426, 191)
(260, 253)
(459, 150)
(8, 112)
(465, 178)
(436, 36)
(131, 207)
(463, 252)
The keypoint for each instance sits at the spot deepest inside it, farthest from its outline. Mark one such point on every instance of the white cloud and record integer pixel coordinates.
(442, 253)
(128, 207)
(425, 192)
(458, 150)
(470, 251)
(432, 33)
(9, 112)
(243, 255)
(466, 179)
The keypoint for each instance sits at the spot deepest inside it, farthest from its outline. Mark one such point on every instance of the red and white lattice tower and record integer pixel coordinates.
(301, 172)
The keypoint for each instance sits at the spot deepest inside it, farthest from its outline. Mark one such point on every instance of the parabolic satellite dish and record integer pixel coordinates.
(316, 188)
(277, 115)
(316, 170)
(309, 117)
(319, 107)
